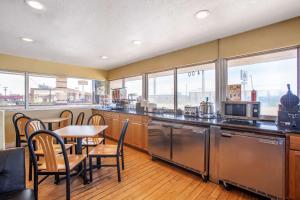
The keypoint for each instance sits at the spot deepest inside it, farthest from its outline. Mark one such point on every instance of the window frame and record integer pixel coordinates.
(174, 84)
(142, 79)
(27, 106)
(25, 86)
(297, 48)
(214, 62)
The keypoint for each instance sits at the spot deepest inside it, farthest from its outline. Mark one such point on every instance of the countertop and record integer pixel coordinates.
(266, 127)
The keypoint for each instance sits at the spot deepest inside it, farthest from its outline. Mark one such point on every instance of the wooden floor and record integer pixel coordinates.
(141, 179)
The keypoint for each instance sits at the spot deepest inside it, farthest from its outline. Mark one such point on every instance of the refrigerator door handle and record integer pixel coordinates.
(226, 135)
(268, 141)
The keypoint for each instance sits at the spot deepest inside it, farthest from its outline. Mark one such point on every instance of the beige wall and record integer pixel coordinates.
(279, 35)
(15, 63)
(10, 135)
(196, 54)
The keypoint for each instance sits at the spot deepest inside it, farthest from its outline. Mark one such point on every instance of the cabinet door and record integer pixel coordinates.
(294, 175)
(128, 136)
(115, 128)
(108, 122)
(145, 135)
(136, 136)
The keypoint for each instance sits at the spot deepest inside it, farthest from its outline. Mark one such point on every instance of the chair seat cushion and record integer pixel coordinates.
(104, 149)
(26, 194)
(12, 170)
(92, 141)
(74, 160)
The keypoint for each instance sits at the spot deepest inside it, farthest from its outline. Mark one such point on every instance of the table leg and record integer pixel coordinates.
(50, 127)
(78, 146)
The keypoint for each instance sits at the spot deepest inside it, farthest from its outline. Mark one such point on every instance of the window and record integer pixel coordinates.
(79, 91)
(42, 90)
(134, 87)
(270, 74)
(194, 84)
(161, 89)
(116, 84)
(12, 89)
(50, 90)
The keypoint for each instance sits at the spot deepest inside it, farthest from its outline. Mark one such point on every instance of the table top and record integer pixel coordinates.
(80, 131)
(54, 120)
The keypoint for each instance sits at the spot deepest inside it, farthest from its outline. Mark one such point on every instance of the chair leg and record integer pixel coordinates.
(98, 162)
(68, 189)
(118, 169)
(36, 184)
(122, 156)
(84, 172)
(56, 177)
(30, 169)
(87, 149)
(91, 168)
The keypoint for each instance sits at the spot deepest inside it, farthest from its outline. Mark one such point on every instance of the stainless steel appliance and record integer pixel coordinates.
(191, 111)
(247, 110)
(185, 146)
(206, 110)
(253, 162)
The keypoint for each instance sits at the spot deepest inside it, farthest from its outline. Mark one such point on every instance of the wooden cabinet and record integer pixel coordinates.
(294, 168)
(115, 126)
(137, 131)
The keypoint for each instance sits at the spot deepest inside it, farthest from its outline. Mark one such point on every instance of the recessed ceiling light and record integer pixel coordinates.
(25, 39)
(104, 57)
(136, 42)
(35, 4)
(201, 14)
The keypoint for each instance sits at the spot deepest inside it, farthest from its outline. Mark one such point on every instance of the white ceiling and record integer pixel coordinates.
(80, 31)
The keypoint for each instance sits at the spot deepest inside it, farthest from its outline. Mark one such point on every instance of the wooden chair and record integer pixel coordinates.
(19, 125)
(54, 163)
(106, 150)
(14, 118)
(80, 118)
(17, 115)
(96, 120)
(66, 114)
(32, 126)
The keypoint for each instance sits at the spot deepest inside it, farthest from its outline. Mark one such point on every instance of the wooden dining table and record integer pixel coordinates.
(54, 120)
(79, 132)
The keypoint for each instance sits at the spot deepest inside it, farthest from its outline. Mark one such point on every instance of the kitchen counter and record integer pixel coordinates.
(265, 127)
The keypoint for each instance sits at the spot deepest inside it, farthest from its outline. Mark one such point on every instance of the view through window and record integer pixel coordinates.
(50, 90)
(194, 84)
(12, 89)
(161, 89)
(270, 74)
(134, 87)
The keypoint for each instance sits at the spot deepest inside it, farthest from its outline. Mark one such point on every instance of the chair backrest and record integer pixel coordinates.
(122, 136)
(32, 126)
(96, 120)
(46, 140)
(66, 114)
(16, 116)
(20, 124)
(80, 118)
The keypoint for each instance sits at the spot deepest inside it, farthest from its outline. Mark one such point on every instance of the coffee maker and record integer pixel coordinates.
(288, 111)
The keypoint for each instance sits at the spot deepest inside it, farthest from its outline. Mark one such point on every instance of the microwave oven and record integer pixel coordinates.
(247, 110)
